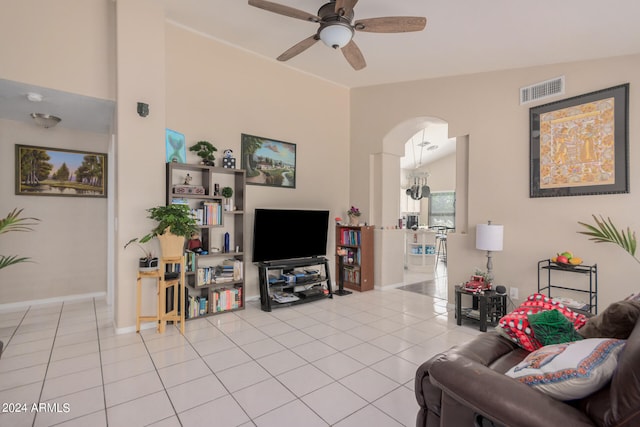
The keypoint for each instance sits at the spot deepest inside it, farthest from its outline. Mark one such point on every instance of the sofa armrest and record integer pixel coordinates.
(500, 398)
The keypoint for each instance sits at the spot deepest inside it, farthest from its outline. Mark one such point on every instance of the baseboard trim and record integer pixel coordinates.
(66, 298)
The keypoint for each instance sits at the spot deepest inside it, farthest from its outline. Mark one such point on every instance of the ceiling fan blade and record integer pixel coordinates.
(354, 56)
(284, 10)
(391, 24)
(346, 6)
(298, 48)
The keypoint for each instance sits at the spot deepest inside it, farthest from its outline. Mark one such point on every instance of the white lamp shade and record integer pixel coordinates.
(489, 237)
(336, 36)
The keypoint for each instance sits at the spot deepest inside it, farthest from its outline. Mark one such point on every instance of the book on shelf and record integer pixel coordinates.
(350, 237)
(224, 299)
(212, 213)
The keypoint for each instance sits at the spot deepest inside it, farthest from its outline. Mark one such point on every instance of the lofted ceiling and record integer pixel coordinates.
(461, 36)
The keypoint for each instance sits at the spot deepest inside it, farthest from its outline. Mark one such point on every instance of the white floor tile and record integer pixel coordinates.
(263, 397)
(224, 412)
(295, 413)
(369, 384)
(368, 416)
(304, 380)
(334, 402)
(195, 392)
(344, 361)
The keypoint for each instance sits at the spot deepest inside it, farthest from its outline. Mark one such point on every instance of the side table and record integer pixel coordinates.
(491, 306)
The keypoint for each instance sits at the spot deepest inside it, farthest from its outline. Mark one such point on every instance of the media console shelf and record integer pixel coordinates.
(287, 283)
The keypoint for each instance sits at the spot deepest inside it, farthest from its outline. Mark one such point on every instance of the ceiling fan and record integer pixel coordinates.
(337, 27)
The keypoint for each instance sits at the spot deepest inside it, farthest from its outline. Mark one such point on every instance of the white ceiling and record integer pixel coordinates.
(461, 37)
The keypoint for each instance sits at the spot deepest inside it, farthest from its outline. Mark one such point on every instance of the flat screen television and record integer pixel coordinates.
(284, 234)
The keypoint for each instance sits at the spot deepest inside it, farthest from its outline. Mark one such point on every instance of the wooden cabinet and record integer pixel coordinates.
(356, 271)
(215, 272)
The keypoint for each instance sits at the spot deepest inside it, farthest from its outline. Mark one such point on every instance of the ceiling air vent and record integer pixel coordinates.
(542, 90)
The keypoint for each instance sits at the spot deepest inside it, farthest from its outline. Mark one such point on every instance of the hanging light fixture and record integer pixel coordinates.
(45, 120)
(336, 35)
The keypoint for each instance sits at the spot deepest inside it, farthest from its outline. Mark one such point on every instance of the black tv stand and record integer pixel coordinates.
(300, 285)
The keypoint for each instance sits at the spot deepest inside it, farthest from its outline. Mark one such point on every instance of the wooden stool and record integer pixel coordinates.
(163, 282)
(177, 284)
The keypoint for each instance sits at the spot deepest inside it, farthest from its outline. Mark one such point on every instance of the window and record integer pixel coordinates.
(442, 209)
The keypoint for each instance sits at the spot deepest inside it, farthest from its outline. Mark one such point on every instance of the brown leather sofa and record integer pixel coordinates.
(466, 386)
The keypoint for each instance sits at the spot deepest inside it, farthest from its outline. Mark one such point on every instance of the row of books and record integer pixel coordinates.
(224, 299)
(209, 214)
(196, 306)
(351, 275)
(229, 271)
(350, 237)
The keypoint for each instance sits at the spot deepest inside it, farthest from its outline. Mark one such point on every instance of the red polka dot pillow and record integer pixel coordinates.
(515, 325)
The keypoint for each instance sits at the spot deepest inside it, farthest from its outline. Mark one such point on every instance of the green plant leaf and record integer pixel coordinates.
(605, 231)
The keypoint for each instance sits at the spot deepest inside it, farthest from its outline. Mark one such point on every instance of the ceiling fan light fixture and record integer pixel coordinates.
(45, 120)
(336, 35)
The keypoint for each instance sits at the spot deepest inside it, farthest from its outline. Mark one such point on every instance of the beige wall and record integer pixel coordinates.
(66, 45)
(485, 106)
(216, 93)
(68, 246)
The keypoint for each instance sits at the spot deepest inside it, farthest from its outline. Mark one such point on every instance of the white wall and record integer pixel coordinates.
(485, 107)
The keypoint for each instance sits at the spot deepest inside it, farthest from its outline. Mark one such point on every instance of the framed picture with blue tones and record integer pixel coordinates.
(176, 148)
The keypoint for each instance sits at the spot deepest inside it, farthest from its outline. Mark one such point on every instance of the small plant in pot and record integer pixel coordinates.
(227, 193)
(148, 262)
(205, 150)
(175, 224)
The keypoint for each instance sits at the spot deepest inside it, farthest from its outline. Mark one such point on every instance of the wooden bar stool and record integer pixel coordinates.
(174, 280)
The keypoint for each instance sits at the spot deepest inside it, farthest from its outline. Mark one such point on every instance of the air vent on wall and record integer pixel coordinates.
(542, 90)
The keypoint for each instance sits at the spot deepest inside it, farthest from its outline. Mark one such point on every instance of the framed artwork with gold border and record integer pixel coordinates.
(579, 146)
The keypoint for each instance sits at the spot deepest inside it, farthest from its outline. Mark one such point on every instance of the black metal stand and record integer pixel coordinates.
(340, 278)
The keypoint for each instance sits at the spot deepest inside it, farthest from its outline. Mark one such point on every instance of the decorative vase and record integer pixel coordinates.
(353, 220)
(171, 246)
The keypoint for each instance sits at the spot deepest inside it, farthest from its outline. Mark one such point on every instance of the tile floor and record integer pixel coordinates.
(347, 361)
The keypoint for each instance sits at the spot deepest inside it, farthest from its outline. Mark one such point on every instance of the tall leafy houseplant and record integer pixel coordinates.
(172, 221)
(13, 222)
(604, 231)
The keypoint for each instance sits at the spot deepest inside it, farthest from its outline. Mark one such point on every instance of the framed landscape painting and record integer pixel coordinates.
(268, 161)
(579, 146)
(42, 171)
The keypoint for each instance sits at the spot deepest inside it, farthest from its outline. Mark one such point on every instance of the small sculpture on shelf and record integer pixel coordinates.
(228, 161)
(188, 179)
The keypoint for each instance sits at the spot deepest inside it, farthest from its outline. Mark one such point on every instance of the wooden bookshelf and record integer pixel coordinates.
(356, 271)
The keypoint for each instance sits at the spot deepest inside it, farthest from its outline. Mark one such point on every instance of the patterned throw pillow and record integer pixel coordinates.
(551, 327)
(516, 324)
(571, 370)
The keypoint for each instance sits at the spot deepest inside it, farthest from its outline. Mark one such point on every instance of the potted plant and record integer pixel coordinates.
(227, 193)
(354, 215)
(205, 150)
(175, 224)
(148, 262)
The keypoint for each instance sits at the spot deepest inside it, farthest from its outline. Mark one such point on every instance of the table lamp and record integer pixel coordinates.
(489, 238)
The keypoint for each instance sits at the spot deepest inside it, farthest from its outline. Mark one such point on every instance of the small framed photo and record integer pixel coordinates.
(176, 147)
(42, 171)
(579, 146)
